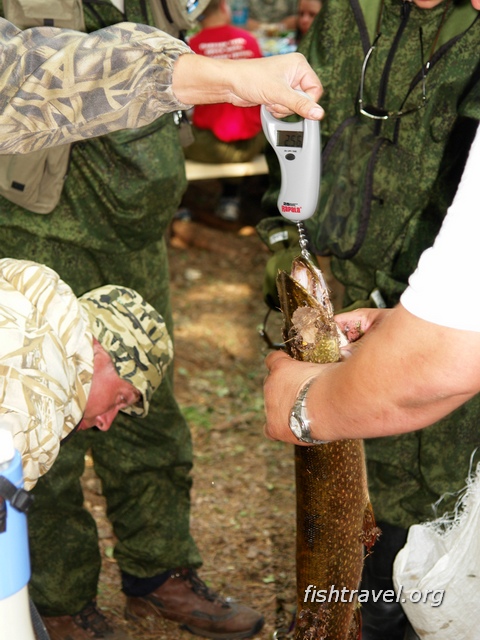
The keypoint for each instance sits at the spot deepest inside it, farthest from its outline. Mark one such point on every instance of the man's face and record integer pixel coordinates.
(108, 395)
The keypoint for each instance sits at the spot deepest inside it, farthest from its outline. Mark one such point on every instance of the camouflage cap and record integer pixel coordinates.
(135, 336)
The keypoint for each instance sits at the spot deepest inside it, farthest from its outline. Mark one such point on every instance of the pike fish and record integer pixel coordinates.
(335, 522)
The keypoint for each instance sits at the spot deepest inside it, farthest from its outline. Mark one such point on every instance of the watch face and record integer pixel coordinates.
(296, 426)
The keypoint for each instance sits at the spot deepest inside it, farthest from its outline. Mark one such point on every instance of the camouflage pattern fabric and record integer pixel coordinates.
(135, 337)
(414, 181)
(272, 11)
(60, 86)
(119, 197)
(418, 167)
(46, 362)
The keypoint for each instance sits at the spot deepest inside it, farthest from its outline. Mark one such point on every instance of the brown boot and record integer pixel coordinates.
(87, 624)
(186, 599)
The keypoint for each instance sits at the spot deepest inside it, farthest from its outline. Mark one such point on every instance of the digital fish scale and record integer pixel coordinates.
(297, 145)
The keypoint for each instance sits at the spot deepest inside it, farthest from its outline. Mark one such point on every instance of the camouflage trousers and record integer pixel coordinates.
(144, 464)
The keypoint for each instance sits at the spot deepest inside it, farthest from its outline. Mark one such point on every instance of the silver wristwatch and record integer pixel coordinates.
(299, 422)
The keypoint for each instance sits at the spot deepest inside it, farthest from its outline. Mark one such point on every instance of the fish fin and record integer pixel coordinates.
(370, 531)
(313, 624)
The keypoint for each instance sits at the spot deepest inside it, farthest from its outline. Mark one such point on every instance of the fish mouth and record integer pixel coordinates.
(310, 331)
(308, 276)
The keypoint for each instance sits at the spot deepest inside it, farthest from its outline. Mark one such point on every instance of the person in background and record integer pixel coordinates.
(401, 100)
(224, 132)
(107, 227)
(412, 365)
(66, 362)
(307, 12)
(279, 13)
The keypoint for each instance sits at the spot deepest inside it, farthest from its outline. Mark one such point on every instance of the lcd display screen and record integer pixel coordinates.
(290, 139)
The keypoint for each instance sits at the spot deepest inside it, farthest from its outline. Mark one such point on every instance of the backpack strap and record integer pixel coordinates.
(20, 500)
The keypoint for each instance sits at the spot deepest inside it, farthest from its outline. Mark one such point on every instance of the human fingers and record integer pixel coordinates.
(275, 356)
(299, 77)
(354, 324)
(305, 108)
(276, 82)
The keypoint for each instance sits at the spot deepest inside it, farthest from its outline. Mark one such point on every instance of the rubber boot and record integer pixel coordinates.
(383, 620)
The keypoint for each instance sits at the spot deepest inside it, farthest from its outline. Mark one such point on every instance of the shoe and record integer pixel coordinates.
(186, 599)
(87, 624)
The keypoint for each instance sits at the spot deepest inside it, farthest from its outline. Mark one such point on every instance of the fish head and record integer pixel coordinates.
(310, 332)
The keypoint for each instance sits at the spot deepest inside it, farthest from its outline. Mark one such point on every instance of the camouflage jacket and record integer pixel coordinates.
(46, 362)
(58, 86)
(123, 188)
(386, 184)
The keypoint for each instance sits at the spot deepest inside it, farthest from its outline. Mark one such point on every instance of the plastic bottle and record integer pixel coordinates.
(15, 621)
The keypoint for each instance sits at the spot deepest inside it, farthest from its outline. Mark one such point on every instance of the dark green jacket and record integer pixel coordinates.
(386, 185)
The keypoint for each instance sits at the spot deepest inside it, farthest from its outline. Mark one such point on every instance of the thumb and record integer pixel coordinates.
(307, 108)
(296, 102)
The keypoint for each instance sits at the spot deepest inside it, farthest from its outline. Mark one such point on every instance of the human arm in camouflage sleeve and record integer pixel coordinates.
(58, 86)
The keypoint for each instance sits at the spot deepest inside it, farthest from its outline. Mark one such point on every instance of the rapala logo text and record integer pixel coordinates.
(290, 207)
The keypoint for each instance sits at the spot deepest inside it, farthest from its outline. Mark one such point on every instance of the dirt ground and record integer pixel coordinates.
(243, 492)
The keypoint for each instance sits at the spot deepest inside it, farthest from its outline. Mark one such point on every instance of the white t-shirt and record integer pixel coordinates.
(445, 288)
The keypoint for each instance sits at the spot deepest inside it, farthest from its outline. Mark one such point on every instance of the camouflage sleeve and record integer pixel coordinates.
(58, 86)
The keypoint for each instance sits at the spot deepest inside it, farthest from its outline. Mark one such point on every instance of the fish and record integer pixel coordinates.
(334, 518)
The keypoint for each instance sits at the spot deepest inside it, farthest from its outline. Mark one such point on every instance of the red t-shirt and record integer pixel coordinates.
(226, 121)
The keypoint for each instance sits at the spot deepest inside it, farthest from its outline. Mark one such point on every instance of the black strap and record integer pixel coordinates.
(20, 499)
(143, 7)
(166, 11)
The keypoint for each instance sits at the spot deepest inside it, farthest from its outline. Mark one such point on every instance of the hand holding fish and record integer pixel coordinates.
(404, 374)
(287, 376)
(281, 387)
